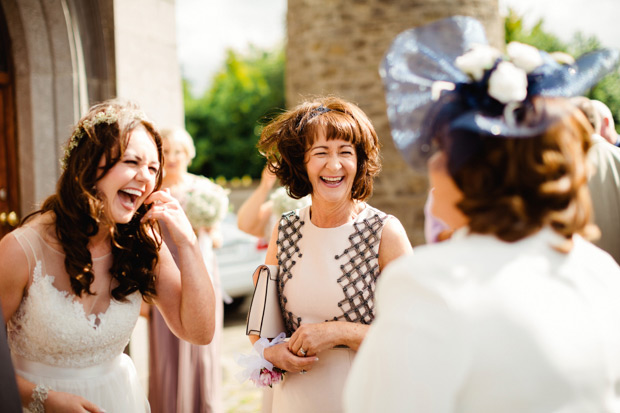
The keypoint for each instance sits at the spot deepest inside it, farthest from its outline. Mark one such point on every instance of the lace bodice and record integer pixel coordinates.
(52, 327)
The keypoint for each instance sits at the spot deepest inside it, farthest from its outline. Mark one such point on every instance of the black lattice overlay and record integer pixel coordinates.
(289, 234)
(360, 273)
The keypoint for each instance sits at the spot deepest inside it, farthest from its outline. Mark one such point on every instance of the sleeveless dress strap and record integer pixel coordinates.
(28, 240)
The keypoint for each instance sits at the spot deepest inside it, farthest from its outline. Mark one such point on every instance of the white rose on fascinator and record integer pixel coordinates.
(508, 83)
(480, 58)
(524, 56)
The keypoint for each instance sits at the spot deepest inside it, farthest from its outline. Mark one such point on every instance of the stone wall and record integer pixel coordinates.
(147, 65)
(336, 46)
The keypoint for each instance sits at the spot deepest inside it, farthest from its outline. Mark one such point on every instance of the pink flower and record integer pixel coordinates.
(268, 378)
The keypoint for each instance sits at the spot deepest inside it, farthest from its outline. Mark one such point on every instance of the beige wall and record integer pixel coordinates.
(69, 54)
(147, 67)
(335, 47)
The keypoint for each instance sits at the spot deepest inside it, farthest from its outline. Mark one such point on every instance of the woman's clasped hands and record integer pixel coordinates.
(299, 353)
(281, 357)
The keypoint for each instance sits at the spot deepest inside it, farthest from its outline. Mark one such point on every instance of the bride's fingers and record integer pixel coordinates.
(160, 196)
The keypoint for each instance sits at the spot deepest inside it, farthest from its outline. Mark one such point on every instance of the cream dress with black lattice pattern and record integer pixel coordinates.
(326, 274)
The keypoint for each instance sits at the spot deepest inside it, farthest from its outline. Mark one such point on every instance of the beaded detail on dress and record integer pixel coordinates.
(51, 327)
(289, 235)
(358, 264)
(360, 273)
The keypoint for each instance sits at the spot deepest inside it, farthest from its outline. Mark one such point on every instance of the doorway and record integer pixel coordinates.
(9, 179)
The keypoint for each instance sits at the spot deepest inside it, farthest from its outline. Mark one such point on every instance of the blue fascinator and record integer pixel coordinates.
(448, 66)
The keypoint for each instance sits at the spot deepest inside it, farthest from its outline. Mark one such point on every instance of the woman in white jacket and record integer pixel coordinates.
(517, 312)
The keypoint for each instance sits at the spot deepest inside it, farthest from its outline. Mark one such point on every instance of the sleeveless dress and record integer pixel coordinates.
(53, 341)
(326, 274)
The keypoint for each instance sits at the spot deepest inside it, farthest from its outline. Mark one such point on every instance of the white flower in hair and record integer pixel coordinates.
(508, 83)
(524, 56)
(480, 58)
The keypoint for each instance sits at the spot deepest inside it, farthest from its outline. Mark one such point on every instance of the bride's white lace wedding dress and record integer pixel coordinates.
(55, 342)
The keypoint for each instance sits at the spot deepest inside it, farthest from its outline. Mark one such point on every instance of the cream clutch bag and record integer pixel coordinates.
(265, 316)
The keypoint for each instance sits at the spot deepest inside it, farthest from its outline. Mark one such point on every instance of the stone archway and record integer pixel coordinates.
(56, 79)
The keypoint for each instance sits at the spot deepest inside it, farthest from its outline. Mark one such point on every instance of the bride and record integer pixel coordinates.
(74, 274)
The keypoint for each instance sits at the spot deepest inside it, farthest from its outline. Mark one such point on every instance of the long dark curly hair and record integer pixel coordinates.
(97, 144)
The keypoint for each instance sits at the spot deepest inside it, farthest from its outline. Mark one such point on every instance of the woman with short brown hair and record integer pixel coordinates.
(330, 253)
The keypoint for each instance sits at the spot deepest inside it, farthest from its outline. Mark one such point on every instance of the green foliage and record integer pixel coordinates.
(607, 90)
(536, 36)
(227, 120)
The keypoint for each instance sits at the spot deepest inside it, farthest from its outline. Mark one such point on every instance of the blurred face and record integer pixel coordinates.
(132, 178)
(331, 167)
(177, 159)
(446, 195)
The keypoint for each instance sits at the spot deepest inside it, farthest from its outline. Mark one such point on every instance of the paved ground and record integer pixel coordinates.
(238, 397)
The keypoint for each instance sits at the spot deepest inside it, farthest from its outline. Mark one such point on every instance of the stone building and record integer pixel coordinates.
(58, 57)
(335, 47)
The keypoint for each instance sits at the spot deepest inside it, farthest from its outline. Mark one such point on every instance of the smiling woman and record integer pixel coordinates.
(331, 167)
(127, 184)
(329, 254)
(73, 275)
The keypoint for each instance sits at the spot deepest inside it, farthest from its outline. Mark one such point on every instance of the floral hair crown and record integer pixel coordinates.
(451, 57)
(108, 115)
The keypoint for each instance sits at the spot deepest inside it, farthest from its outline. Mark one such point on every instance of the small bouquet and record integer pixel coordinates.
(256, 368)
(205, 203)
(268, 377)
(282, 202)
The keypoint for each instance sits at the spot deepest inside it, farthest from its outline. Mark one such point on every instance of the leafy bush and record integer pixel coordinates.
(227, 120)
(607, 90)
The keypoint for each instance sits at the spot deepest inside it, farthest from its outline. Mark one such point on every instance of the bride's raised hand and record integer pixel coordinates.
(166, 208)
(59, 402)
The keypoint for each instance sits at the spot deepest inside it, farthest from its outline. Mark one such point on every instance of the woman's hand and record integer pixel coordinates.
(69, 403)
(313, 338)
(167, 209)
(281, 357)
